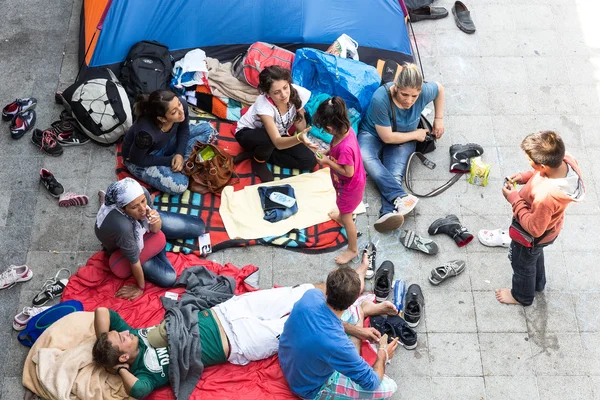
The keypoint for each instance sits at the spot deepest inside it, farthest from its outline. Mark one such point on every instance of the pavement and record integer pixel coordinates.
(530, 66)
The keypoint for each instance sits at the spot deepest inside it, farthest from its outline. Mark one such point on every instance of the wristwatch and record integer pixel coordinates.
(120, 368)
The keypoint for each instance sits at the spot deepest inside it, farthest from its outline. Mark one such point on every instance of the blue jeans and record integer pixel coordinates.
(158, 269)
(160, 176)
(529, 271)
(385, 164)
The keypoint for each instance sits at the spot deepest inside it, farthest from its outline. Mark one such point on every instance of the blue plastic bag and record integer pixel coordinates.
(353, 81)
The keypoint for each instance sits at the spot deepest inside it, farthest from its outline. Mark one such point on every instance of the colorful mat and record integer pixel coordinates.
(323, 237)
(94, 285)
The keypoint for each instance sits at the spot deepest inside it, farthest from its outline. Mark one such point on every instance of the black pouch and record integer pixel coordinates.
(521, 236)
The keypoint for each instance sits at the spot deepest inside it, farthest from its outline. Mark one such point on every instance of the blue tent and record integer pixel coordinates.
(225, 28)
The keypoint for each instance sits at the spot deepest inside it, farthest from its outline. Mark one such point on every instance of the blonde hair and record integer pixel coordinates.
(409, 77)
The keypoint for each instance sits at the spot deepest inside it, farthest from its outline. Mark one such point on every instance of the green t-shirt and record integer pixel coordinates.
(151, 366)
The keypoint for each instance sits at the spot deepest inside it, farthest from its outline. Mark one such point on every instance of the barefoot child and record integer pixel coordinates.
(539, 208)
(347, 171)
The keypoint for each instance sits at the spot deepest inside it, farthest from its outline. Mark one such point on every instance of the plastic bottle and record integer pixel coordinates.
(282, 199)
(399, 293)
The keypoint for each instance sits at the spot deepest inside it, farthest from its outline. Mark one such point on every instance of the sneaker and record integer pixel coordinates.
(388, 222)
(22, 318)
(72, 199)
(50, 182)
(395, 327)
(371, 251)
(383, 281)
(17, 106)
(15, 274)
(46, 140)
(67, 133)
(52, 288)
(22, 123)
(414, 303)
(405, 204)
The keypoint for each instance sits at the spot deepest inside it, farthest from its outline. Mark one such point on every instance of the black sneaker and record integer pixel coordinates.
(413, 307)
(460, 156)
(371, 251)
(50, 182)
(395, 327)
(67, 133)
(52, 288)
(46, 141)
(383, 281)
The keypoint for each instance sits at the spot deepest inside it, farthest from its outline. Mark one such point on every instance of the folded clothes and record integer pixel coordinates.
(275, 212)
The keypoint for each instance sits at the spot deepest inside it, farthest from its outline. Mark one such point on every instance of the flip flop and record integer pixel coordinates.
(411, 240)
(494, 238)
(446, 270)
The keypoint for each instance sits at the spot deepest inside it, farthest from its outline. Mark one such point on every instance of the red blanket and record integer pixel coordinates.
(326, 236)
(94, 285)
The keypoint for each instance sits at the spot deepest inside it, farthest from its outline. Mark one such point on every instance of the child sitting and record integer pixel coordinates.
(539, 209)
(347, 171)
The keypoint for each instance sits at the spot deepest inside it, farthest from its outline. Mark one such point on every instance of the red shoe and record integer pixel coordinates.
(17, 106)
(71, 199)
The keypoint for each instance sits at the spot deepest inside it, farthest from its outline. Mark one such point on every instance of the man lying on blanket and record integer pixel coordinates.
(243, 329)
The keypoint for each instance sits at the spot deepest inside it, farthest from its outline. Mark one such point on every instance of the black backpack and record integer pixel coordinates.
(147, 68)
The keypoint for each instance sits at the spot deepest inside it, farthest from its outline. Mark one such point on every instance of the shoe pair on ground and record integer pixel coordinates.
(21, 115)
(395, 219)
(462, 15)
(62, 133)
(57, 190)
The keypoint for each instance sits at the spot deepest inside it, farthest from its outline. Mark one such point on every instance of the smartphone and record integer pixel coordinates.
(508, 181)
(319, 155)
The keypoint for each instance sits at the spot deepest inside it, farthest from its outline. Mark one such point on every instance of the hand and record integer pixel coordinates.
(391, 348)
(323, 160)
(307, 142)
(438, 128)
(152, 215)
(129, 292)
(370, 334)
(177, 163)
(420, 135)
(507, 189)
(516, 178)
(114, 370)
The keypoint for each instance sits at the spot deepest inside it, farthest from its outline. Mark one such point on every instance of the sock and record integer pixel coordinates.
(261, 170)
(243, 156)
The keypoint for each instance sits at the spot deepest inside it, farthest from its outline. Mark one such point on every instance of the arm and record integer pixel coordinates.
(128, 379)
(344, 170)
(280, 142)
(438, 106)
(535, 219)
(101, 321)
(154, 221)
(183, 130)
(139, 154)
(389, 137)
(300, 122)
(370, 334)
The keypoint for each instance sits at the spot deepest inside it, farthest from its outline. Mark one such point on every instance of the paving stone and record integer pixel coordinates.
(419, 389)
(552, 312)
(12, 388)
(571, 387)
(506, 354)
(411, 363)
(450, 312)
(22, 206)
(591, 346)
(511, 387)
(457, 388)
(492, 316)
(558, 354)
(4, 206)
(586, 309)
(454, 354)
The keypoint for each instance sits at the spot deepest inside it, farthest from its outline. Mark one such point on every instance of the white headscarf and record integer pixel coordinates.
(118, 195)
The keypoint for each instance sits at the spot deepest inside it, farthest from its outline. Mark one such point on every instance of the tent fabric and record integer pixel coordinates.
(94, 285)
(185, 24)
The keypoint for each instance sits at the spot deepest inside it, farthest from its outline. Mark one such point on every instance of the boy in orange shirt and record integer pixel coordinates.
(538, 210)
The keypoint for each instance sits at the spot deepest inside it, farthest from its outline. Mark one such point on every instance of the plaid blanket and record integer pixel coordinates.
(323, 237)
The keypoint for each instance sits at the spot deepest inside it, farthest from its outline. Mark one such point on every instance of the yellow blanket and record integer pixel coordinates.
(59, 365)
(242, 212)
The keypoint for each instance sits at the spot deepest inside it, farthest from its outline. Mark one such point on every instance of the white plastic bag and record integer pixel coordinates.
(191, 69)
(345, 47)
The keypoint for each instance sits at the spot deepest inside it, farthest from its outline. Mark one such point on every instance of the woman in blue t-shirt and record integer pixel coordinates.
(385, 152)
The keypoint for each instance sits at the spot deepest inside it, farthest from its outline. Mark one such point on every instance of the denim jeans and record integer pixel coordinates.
(160, 176)
(159, 270)
(529, 271)
(385, 164)
(180, 226)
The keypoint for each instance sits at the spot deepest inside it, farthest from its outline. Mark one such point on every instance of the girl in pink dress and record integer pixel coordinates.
(347, 171)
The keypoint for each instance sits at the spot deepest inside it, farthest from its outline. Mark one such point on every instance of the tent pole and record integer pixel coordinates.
(85, 55)
(416, 46)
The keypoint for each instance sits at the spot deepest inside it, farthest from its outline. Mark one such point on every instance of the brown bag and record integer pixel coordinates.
(209, 176)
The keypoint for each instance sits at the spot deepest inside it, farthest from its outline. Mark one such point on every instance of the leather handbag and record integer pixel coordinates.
(211, 175)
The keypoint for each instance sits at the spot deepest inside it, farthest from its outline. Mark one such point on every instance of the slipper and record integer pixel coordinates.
(494, 238)
(445, 271)
(411, 240)
(462, 17)
(71, 199)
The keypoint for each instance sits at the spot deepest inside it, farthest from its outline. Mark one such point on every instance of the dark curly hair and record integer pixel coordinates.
(105, 353)
(332, 112)
(343, 288)
(153, 105)
(276, 73)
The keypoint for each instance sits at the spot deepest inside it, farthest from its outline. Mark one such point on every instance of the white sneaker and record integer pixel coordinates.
(405, 204)
(15, 274)
(22, 318)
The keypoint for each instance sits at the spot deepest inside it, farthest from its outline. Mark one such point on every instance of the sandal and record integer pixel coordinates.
(446, 270)
(494, 238)
(411, 240)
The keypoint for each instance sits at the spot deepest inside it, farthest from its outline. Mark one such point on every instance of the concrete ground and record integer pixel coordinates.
(530, 66)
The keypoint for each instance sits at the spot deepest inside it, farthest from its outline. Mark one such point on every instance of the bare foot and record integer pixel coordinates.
(387, 307)
(347, 256)
(335, 215)
(505, 296)
(364, 265)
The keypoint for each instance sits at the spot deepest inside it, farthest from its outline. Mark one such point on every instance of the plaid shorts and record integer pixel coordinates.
(339, 386)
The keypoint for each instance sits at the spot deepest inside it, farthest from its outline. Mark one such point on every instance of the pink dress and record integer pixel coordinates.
(349, 191)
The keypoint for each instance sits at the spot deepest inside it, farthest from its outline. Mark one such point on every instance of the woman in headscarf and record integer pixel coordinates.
(130, 231)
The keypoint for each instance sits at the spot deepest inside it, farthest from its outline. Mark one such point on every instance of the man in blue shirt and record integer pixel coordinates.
(318, 358)
(385, 151)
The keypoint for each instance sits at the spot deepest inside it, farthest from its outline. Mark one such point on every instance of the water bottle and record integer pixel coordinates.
(282, 199)
(399, 293)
